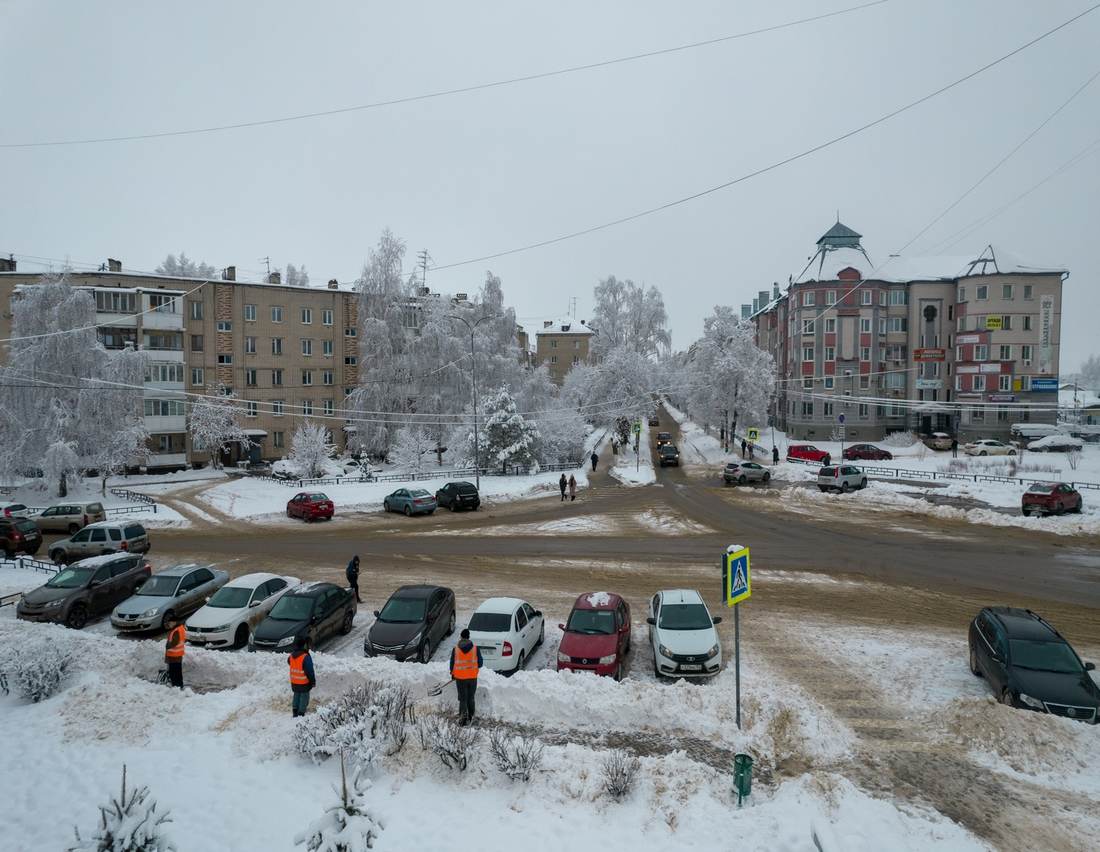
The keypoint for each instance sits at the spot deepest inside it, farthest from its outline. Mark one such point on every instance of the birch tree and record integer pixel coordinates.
(310, 448)
(215, 423)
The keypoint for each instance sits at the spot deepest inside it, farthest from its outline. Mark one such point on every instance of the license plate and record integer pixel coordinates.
(691, 667)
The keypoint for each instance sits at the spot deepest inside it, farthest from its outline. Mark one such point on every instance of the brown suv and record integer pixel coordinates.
(85, 589)
(69, 517)
(19, 535)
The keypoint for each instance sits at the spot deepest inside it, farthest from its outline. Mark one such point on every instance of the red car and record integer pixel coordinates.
(808, 452)
(597, 635)
(870, 452)
(310, 506)
(1050, 498)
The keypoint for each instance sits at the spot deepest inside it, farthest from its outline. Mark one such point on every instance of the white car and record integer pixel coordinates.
(1056, 444)
(14, 510)
(232, 613)
(681, 630)
(988, 447)
(506, 631)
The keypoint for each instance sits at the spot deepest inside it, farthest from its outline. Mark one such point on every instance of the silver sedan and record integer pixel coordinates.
(738, 473)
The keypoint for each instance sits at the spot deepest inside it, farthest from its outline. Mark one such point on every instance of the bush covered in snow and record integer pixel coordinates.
(367, 720)
(35, 673)
(346, 826)
(901, 439)
(517, 757)
(310, 448)
(451, 742)
(619, 771)
(129, 823)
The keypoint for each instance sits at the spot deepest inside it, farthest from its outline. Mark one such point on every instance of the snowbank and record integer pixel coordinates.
(34, 495)
(632, 468)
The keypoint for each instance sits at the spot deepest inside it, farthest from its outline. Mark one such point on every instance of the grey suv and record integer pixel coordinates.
(69, 517)
(97, 539)
(84, 589)
(841, 477)
(176, 592)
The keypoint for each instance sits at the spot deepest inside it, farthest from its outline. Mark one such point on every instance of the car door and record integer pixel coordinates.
(120, 578)
(622, 620)
(77, 546)
(338, 600)
(987, 653)
(520, 625)
(99, 590)
(436, 625)
(97, 542)
(534, 627)
(654, 610)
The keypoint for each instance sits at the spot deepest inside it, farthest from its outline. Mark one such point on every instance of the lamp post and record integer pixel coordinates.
(473, 384)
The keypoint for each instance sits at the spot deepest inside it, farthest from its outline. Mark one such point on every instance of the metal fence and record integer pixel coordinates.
(430, 473)
(133, 496)
(29, 563)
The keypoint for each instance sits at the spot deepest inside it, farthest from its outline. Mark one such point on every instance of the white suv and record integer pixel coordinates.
(841, 477)
(681, 630)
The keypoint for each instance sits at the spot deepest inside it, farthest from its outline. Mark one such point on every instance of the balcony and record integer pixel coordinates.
(166, 423)
(159, 318)
(166, 460)
(151, 386)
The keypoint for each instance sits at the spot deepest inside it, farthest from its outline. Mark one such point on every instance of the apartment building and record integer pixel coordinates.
(961, 344)
(559, 343)
(286, 352)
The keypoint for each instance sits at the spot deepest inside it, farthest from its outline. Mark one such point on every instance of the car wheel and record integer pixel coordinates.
(618, 673)
(78, 617)
(423, 653)
(521, 662)
(345, 625)
(862, 484)
(767, 477)
(844, 488)
(73, 529)
(240, 639)
(1026, 513)
(1076, 510)
(451, 625)
(983, 453)
(1007, 699)
(58, 557)
(741, 479)
(385, 505)
(408, 512)
(168, 616)
(1012, 452)
(453, 507)
(822, 488)
(288, 514)
(974, 670)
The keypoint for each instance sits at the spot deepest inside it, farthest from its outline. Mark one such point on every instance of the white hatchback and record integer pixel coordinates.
(232, 613)
(506, 631)
(988, 447)
(681, 630)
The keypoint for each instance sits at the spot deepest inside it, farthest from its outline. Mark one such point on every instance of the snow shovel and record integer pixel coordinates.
(433, 691)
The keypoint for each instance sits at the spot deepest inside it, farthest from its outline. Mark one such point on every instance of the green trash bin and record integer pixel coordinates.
(742, 776)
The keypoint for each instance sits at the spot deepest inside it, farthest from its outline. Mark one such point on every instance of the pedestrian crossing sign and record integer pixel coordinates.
(753, 434)
(736, 577)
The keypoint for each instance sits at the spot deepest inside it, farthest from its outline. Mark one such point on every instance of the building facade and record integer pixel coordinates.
(964, 345)
(559, 344)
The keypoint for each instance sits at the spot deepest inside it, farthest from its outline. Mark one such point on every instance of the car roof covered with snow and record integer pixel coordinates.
(1055, 441)
(251, 581)
(105, 559)
(681, 596)
(311, 590)
(500, 605)
(597, 600)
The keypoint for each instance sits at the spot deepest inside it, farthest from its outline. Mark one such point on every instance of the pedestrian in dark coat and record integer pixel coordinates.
(744, 447)
(954, 448)
(302, 676)
(595, 458)
(352, 573)
(775, 454)
(572, 488)
(562, 484)
(466, 662)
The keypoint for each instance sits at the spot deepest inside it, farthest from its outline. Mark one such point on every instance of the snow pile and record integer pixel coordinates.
(632, 468)
(599, 599)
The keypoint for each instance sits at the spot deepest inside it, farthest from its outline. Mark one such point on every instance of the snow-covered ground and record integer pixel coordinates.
(632, 468)
(32, 493)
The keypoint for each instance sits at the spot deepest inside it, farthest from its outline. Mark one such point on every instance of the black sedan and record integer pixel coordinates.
(458, 495)
(1029, 665)
(866, 452)
(316, 610)
(412, 623)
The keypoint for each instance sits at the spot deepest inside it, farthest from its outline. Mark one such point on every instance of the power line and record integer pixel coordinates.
(526, 78)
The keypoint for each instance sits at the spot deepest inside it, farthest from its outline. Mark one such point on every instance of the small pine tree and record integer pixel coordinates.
(129, 823)
(508, 439)
(346, 826)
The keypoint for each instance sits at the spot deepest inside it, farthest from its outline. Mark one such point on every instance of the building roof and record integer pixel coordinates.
(194, 282)
(536, 327)
(828, 262)
(839, 235)
(995, 260)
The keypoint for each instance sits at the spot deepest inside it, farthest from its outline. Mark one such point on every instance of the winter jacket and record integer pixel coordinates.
(465, 645)
(353, 572)
(561, 483)
(307, 667)
(572, 486)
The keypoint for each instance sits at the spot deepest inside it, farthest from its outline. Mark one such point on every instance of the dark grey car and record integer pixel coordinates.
(412, 623)
(85, 589)
(177, 592)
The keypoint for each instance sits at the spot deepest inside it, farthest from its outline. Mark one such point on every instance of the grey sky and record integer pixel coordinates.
(478, 173)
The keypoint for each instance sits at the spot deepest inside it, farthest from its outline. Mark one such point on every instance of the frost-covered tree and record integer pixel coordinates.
(621, 385)
(215, 423)
(1090, 373)
(117, 402)
(412, 447)
(346, 826)
(185, 267)
(296, 276)
(629, 315)
(310, 448)
(507, 439)
(129, 823)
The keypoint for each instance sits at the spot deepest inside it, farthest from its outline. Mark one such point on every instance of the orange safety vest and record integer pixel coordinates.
(465, 667)
(298, 675)
(176, 639)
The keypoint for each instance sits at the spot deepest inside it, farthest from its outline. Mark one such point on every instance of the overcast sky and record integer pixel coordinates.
(473, 174)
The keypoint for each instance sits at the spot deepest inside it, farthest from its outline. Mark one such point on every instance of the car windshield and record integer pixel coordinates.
(403, 610)
(26, 526)
(1044, 656)
(418, 492)
(591, 621)
(292, 608)
(317, 498)
(70, 578)
(490, 622)
(230, 597)
(159, 587)
(1039, 488)
(684, 617)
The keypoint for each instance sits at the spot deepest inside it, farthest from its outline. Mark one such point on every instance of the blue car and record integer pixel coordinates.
(411, 501)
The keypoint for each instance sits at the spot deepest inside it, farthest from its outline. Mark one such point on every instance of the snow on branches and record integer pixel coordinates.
(310, 448)
(129, 823)
(215, 423)
(346, 826)
(507, 440)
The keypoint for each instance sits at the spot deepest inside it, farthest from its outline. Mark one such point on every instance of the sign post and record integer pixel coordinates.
(736, 587)
(637, 437)
(840, 420)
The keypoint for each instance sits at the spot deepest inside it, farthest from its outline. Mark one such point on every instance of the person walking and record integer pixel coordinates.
(744, 447)
(173, 650)
(561, 484)
(465, 663)
(302, 676)
(595, 458)
(775, 454)
(572, 488)
(352, 573)
(954, 448)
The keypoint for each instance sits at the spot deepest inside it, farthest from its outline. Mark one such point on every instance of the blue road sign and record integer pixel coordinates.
(738, 579)
(1044, 385)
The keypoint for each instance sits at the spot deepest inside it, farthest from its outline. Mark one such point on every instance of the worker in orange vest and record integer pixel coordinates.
(173, 650)
(465, 664)
(302, 677)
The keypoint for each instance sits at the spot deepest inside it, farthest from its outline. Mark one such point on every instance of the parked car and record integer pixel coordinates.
(177, 591)
(938, 441)
(14, 510)
(841, 477)
(866, 452)
(506, 631)
(458, 495)
(310, 506)
(596, 636)
(807, 452)
(654, 420)
(664, 438)
(1056, 444)
(85, 589)
(236, 609)
(668, 454)
(317, 611)
(411, 501)
(19, 535)
(1022, 433)
(988, 447)
(1050, 498)
(99, 538)
(412, 623)
(681, 631)
(1029, 665)
(738, 473)
(69, 517)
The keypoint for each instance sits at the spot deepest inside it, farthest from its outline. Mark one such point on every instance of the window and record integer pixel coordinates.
(882, 298)
(864, 410)
(277, 378)
(865, 353)
(326, 316)
(866, 297)
(983, 292)
(225, 325)
(250, 409)
(1025, 383)
(807, 383)
(828, 383)
(1006, 322)
(576, 344)
(326, 377)
(830, 353)
(808, 299)
(1025, 353)
(307, 377)
(553, 344)
(864, 381)
(278, 439)
(830, 297)
(553, 359)
(960, 325)
(167, 340)
(164, 373)
(164, 408)
(349, 331)
(197, 377)
(897, 324)
(276, 408)
(307, 407)
(830, 325)
(225, 359)
(959, 356)
(250, 377)
(1004, 382)
(250, 346)
(865, 325)
(327, 407)
(895, 380)
(808, 326)
(307, 346)
(307, 316)
(1028, 293)
(350, 360)
(958, 383)
(1005, 353)
(899, 297)
(1006, 291)
(276, 346)
(977, 415)
(962, 294)
(882, 325)
(276, 313)
(979, 382)
(807, 409)
(250, 313)
(807, 353)
(326, 348)
(115, 302)
(118, 338)
(981, 351)
(1027, 322)
(196, 310)
(827, 409)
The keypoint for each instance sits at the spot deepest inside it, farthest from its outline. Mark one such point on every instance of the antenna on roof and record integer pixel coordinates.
(266, 260)
(838, 215)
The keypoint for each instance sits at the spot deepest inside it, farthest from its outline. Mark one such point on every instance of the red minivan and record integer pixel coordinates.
(597, 635)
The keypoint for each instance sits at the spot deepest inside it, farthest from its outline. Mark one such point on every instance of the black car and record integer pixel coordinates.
(458, 495)
(412, 623)
(19, 535)
(654, 420)
(668, 454)
(316, 610)
(1029, 665)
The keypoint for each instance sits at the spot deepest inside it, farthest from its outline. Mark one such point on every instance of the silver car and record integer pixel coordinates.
(177, 592)
(841, 477)
(738, 473)
(98, 539)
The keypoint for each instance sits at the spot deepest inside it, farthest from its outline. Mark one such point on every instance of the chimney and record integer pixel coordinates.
(746, 311)
(775, 289)
(764, 298)
(333, 284)
(755, 304)
(275, 277)
(547, 323)
(7, 264)
(229, 273)
(114, 265)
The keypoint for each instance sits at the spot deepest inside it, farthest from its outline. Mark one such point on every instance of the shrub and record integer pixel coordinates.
(619, 771)
(129, 823)
(901, 439)
(366, 720)
(35, 673)
(1073, 459)
(517, 757)
(452, 743)
(346, 826)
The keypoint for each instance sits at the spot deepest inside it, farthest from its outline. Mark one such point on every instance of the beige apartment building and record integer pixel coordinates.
(560, 344)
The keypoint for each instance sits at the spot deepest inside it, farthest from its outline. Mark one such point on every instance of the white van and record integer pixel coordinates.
(1022, 433)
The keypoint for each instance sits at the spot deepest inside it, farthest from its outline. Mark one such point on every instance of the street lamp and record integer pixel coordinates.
(473, 383)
